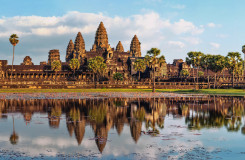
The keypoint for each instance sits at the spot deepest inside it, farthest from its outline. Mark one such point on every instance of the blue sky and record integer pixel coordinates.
(174, 26)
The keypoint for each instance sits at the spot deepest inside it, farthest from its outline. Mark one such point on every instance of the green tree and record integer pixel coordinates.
(97, 66)
(56, 66)
(151, 60)
(200, 74)
(206, 60)
(194, 59)
(217, 65)
(234, 64)
(184, 73)
(74, 64)
(118, 76)
(13, 39)
(139, 66)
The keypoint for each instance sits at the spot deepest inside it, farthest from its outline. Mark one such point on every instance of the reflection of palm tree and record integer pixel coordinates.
(54, 117)
(14, 138)
(234, 123)
(243, 128)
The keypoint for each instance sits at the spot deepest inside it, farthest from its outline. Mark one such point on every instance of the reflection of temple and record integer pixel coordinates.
(104, 114)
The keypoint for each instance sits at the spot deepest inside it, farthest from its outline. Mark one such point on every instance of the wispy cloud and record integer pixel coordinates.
(215, 45)
(178, 44)
(213, 25)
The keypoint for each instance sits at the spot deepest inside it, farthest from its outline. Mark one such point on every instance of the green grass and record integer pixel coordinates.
(237, 92)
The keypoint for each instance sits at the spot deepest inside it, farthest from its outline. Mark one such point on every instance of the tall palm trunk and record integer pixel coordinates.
(12, 65)
(153, 90)
(208, 79)
(193, 74)
(197, 79)
(214, 80)
(139, 75)
(74, 73)
(233, 78)
(55, 77)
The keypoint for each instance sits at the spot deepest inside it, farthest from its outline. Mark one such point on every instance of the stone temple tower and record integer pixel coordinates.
(119, 47)
(101, 38)
(69, 51)
(135, 49)
(79, 47)
(54, 55)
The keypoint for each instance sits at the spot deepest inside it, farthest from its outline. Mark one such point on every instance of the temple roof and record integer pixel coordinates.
(79, 42)
(119, 47)
(101, 37)
(135, 46)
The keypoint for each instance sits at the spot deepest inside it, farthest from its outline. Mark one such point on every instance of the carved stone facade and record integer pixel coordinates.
(119, 47)
(69, 51)
(54, 55)
(135, 49)
(27, 61)
(101, 38)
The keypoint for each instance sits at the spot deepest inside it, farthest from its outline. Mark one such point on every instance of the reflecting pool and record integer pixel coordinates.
(123, 128)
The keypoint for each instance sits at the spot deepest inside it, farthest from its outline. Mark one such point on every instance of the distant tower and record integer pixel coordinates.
(119, 47)
(54, 55)
(79, 47)
(135, 49)
(69, 51)
(101, 38)
(27, 61)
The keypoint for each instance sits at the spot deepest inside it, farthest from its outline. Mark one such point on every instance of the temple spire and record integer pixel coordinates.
(135, 49)
(119, 47)
(79, 43)
(69, 50)
(101, 38)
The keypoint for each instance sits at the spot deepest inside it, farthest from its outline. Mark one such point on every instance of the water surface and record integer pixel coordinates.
(122, 128)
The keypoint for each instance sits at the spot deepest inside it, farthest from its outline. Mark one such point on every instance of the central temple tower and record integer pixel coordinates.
(101, 38)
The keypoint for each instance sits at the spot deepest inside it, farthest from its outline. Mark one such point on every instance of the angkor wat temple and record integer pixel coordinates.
(117, 60)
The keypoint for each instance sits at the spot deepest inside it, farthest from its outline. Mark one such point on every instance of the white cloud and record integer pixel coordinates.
(183, 26)
(178, 44)
(192, 40)
(222, 35)
(178, 6)
(88, 22)
(215, 45)
(211, 25)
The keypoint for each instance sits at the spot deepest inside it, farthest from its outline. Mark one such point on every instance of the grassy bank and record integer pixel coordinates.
(237, 92)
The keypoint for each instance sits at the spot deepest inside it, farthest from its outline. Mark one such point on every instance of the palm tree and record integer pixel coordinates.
(184, 73)
(118, 76)
(56, 66)
(14, 41)
(205, 63)
(234, 64)
(139, 66)
(243, 50)
(217, 65)
(74, 64)
(151, 60)
(194, 59)
(97, 66)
